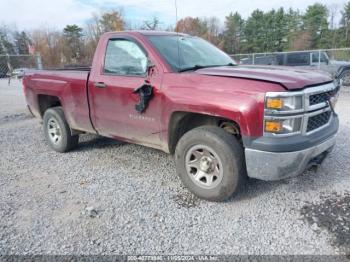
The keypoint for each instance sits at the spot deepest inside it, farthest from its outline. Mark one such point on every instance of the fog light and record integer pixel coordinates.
(274, 103)
(273, 126)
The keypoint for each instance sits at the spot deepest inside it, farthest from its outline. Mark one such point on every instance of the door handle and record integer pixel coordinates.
(100, 85)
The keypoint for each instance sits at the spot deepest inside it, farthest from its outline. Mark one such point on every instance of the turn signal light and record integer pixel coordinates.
(274, 103)
(273, 126)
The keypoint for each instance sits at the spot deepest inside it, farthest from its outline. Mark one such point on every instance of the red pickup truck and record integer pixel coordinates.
(182, 95)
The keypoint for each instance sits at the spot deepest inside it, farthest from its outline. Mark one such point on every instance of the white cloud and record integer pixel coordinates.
(57, 13)
(41, 13)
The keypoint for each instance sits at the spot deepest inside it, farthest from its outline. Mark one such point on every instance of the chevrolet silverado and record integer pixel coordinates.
(177, 93)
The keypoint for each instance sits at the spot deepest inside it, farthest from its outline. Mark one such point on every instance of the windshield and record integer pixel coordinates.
(183, 52)
(324, 57)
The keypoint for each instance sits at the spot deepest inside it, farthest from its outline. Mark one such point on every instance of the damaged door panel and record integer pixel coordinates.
(129, 99)
(146, 93)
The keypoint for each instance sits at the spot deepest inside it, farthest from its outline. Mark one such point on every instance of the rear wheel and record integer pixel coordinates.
(57, 131)
(210, 162)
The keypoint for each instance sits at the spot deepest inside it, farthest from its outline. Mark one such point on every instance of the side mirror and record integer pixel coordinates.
(150, 64)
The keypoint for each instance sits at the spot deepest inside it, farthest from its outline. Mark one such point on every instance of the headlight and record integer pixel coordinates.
(283, 126)
(280, 113)
(281, 102)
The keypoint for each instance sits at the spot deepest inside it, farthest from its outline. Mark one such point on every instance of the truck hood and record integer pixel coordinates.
(288, 77)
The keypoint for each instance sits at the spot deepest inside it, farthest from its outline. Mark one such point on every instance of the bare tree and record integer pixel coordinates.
(99, 24)
(151, 24)
(50, 44)
(212, 30)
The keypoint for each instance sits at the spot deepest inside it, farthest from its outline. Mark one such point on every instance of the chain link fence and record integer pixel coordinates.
(15, 65)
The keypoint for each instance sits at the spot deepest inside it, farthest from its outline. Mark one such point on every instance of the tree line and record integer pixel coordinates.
(275, 30)
(270, 31)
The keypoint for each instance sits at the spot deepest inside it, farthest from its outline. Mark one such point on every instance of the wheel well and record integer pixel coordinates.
(182, 122)
(345, 72)
(45, 102)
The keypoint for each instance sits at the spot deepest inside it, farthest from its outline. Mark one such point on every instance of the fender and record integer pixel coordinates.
(341, 71)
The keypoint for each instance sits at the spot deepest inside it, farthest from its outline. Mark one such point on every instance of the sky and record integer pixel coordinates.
(32, 14)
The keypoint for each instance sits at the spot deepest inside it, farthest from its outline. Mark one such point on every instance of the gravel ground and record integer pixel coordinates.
(115, 198)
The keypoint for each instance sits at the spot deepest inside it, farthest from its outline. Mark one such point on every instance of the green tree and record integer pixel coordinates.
(315, 22)
(294, 27)
(6, 46)
(280, 30)
(255, 32)
(345, 25)
(22, 42)
(72, 35)
(233, 33)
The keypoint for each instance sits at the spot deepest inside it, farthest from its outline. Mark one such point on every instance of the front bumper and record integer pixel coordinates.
(269, 166)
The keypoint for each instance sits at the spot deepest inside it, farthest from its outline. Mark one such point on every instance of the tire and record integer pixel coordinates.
(57, 131)
(198, 172)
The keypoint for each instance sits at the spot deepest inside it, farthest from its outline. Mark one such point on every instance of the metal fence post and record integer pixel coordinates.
(319, 59)
(253, 59)
(39, 64)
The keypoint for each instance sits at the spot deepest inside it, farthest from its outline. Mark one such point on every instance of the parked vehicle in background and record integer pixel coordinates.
(18, 72)
(289, 59)
(184, 96)
(303, 59)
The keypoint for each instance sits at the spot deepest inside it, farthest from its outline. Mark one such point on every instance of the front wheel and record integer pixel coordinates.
(345, 80)
(57, 131)
(210, 163)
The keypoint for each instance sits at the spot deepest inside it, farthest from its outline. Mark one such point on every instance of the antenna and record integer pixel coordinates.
(177, 32)
(176, 14)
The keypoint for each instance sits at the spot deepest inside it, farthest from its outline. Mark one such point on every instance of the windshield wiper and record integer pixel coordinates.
(196, 67)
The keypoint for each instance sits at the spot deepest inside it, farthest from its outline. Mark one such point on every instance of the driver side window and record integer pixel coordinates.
(124, 57)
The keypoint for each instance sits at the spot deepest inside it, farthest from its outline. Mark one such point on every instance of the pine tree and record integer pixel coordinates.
(22, 42)
(73, 43)
(255, 32)
(233, 33)
(315, 22)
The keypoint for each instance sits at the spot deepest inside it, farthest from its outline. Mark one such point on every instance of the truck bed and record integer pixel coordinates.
(69, 85)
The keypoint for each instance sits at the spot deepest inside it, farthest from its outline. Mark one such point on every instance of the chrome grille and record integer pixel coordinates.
(322, 97)
(319, 98)
(316, 112)
(318, 121)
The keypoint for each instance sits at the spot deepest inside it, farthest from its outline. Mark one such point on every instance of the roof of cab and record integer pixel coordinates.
(151, 32)
(148, 32)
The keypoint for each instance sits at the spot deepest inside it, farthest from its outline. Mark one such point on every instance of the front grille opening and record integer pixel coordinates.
(320, 98)
(318, 121)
